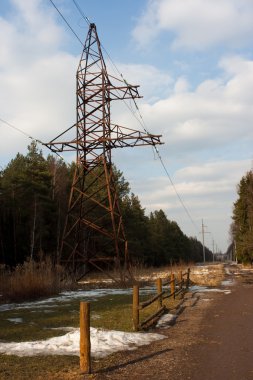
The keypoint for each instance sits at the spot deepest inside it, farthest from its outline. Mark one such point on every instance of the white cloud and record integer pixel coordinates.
(197, 24)
(181, 85)
(208, 134)
(28, 33)
(37, 77)
(217, 112)
(207, 190)
(154, 83)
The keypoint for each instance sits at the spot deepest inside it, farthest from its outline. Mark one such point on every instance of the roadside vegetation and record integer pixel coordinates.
(32, 280)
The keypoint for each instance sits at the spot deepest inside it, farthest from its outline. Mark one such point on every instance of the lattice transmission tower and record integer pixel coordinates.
(94, 233)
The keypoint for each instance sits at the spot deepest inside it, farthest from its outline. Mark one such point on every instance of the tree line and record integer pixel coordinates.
(34, 194)
(242, 226)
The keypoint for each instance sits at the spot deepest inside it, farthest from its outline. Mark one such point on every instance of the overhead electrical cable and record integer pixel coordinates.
(81, 12)
(21, 131)
(27, 135)
(57, 9)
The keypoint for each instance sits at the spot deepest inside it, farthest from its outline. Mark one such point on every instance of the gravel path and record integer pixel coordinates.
(226, 347)
(212, 339)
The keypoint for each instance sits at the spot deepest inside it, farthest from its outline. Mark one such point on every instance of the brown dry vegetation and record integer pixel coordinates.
(210, 275)
(39, 279)
(31, 280)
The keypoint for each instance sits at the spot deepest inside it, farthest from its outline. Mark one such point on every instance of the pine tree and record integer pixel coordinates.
(136, 226)
(243, 219)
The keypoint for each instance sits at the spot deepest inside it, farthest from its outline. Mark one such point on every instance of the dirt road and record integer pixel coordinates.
(211, 340)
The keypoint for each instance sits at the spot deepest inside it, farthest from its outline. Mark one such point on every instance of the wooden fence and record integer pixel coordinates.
(165, 290)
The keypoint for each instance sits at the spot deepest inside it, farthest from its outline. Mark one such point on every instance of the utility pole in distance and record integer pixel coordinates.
(203, 232)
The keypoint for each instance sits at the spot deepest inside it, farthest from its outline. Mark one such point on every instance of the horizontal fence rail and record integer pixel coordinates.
(167, 289)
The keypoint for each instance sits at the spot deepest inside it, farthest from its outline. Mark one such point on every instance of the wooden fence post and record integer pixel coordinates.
(85, 362)
(188, 278)
(136, 307)
(172, 284)
(159, 290)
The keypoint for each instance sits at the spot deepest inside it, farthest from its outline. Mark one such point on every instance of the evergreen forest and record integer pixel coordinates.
(242, 226)
(34, 194)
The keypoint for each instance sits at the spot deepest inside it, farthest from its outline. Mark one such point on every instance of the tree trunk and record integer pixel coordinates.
(33, 228)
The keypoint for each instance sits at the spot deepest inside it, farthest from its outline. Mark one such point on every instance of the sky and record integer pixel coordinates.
(193, 61)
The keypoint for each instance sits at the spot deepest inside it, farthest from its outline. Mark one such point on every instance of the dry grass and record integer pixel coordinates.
(209, 275)
(31, 280)
(141, 274)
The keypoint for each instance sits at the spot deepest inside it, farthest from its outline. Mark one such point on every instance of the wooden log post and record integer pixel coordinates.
(85, 348)
(172, 284)
(136, 317)
(159, 290)
(188, 278)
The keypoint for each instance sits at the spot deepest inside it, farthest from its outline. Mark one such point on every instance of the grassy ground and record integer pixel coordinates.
(109, 312)
(113, 312)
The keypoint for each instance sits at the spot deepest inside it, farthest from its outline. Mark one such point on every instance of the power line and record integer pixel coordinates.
(72, 30)
(27, 135)
(174, 187)
(81, 12)
(21, 131)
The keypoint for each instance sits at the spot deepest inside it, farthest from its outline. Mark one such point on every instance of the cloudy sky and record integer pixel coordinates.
(194, 62)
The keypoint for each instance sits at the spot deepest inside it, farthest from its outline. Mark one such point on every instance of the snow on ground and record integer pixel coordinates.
(227, 271)
(203, 289)
(69, 296)
(15, 320)
(103, 343)
(166, 320)
(227, 283)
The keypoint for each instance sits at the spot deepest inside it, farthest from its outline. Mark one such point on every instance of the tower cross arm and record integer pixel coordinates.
(126, 137)
(60, 143)
(117, 137)
(122, 90)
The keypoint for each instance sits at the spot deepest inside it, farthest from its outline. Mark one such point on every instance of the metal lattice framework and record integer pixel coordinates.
(94, 232)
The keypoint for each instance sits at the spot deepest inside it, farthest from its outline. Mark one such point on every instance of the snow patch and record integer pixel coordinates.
(166, 319)
(64, 297)
(227, 283)
(203, 289)
(103, 343)
(15, 320)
